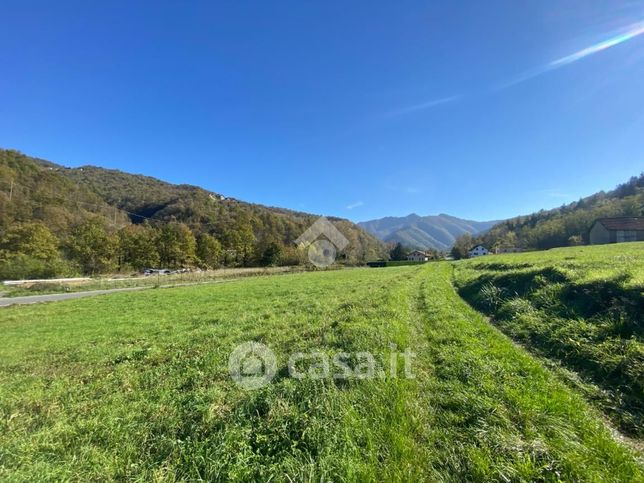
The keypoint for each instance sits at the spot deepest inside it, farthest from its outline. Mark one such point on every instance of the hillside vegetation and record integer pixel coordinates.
(581, 307)
(568, 225)
(59, 221)
(86, 394)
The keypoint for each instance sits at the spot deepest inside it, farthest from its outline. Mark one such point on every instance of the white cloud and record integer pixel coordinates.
(628, 34)
(357, 204)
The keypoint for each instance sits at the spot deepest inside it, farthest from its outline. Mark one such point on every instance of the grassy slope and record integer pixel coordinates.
(136, 386)
(579, 306)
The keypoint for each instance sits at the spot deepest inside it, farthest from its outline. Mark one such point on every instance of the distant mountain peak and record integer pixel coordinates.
(423, 232)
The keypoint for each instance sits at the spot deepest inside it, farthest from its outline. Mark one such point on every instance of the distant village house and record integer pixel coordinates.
(478, 251)
(418, 256)
(617, 230)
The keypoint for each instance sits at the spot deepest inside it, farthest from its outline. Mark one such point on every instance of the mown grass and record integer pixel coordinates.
(582, 307)
(136, 386)
(123, 281)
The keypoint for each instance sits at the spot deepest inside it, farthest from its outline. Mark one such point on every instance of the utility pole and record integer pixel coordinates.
(11, 191)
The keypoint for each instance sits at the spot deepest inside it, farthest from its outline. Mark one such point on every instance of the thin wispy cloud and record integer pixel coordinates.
(410, 190)
(627, 34)
(357, 204)
(554, 193)
(425, 105)
(632, 32)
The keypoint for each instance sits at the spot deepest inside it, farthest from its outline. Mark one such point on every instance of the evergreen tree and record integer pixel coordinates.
(398, 252)
(271, 255)
(462, 246)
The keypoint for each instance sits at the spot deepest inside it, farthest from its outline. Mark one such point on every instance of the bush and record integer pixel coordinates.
(491, 296)
(19, 267)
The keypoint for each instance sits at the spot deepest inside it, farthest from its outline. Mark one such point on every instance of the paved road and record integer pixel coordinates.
(34, 299)
(55, 297)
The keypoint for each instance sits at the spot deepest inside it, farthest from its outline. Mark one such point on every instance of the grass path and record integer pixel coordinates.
(507, 416)
(135, 386)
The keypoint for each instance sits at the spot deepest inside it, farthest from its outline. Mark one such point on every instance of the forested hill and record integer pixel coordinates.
(564, 226)
(56, 220)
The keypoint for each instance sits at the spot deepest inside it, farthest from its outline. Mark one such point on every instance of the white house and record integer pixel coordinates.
(418, 256)
(477, 251)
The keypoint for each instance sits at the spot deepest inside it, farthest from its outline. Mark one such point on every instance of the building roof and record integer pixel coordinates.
(623, 223)
(475, 247)
(419, 252)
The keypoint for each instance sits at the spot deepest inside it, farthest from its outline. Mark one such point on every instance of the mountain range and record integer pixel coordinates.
(62, 201)
(424, 232)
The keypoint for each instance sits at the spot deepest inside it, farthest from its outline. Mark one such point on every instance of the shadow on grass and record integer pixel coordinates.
(594, 328)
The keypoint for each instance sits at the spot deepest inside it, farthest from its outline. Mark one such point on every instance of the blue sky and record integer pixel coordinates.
(482, 110)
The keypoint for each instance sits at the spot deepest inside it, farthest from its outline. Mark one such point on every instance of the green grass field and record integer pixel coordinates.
(125, 281)
(136, 386)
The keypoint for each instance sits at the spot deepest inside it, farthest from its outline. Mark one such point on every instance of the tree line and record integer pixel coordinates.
(31, 250)
(568, 225)
(56, 221)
